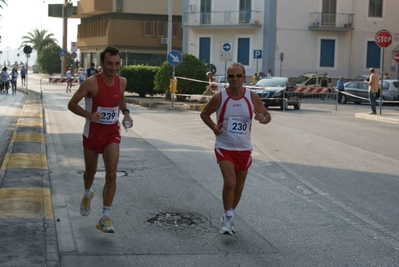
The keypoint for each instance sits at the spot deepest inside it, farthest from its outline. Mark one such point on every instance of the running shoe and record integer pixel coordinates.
(85, 205)
(105, 225)
(227, 225)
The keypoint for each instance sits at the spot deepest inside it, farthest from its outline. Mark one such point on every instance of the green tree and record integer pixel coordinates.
(190, 67)
(38, 40)
(49, 60)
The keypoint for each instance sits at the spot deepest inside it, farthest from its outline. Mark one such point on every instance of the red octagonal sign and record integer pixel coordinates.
(383, 38)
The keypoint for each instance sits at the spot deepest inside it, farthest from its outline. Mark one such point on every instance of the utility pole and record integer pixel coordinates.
(64, 38)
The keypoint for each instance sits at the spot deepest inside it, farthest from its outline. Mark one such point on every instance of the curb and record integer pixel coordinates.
(388, 118)
(25, 191)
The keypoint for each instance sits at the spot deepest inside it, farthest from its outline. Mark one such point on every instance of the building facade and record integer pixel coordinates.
(288, 37)
(292, 37)
(139, 29)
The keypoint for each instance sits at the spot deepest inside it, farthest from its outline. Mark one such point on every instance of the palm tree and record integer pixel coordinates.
(38, 40)
(4, 2)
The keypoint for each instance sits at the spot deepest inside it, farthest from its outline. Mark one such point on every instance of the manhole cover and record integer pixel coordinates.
(175, 219)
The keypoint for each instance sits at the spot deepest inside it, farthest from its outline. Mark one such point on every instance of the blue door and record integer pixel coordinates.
(205, 49)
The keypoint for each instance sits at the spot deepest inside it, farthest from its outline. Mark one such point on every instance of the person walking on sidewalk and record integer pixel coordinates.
(373, 83)
(234, 107)
(104, 100)
(341, 88)
(23, 75)
(69, 80)
(5, 80)
(14, 79)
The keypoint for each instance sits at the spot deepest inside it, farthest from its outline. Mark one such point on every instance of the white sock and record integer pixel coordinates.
(229, 214)
(87, 193)
(106, 211)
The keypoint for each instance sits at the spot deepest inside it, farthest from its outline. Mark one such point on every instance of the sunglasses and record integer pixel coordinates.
(231, 76)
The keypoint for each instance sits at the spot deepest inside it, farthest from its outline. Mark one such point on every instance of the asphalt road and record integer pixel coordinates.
(322, 191)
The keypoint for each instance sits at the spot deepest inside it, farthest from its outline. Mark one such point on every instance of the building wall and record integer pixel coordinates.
(301, 46)
(125, 30)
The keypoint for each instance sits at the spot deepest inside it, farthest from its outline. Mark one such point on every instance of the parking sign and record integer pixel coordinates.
(257, 54)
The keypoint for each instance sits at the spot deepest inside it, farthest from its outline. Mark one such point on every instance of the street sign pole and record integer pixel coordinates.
(382, 79)
(257, 60)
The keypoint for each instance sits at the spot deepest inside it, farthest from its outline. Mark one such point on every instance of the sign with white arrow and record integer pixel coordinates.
(174, 58)
(226, 51)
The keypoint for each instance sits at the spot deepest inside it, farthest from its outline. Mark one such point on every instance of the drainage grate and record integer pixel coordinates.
(175, 219)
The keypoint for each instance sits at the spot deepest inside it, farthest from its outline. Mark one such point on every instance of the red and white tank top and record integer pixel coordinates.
(106, 102)
(236, 115)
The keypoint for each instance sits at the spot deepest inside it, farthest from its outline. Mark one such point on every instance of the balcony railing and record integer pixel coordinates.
(331, 22)
(246, 18)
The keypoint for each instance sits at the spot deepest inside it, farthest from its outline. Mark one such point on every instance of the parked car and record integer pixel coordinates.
(391, 90)
(311, 79)
(222, 81)
(357, 92)
(276, 91)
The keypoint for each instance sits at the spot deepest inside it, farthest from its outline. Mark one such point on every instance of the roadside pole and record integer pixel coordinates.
(383, 39)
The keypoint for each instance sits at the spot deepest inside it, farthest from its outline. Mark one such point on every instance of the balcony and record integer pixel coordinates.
(330, 22)
(222, 19)
(87, 8)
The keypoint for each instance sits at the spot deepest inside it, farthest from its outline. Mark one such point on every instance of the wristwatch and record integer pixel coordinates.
(123, 111)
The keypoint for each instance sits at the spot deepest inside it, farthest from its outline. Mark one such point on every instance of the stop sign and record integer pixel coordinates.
(383, 38)
(397, 57)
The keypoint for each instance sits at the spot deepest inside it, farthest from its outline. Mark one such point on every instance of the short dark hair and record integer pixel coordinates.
(92, 64)
(113, 51)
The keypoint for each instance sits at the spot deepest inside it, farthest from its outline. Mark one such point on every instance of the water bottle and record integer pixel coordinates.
(127, 125)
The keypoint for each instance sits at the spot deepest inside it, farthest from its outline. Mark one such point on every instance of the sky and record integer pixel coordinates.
(19, 17)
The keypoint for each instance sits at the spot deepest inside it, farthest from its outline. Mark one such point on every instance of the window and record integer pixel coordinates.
(375, 8)
(327, 53)
(373, 55)
(160, 28)
(245, 11)
(206, 11)
(205, 49)
(329, 12)
(243, 51)
(147, 28)
(175, 29)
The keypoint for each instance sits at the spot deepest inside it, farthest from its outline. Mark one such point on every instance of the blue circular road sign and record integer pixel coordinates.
(226, 47)
(174, 58)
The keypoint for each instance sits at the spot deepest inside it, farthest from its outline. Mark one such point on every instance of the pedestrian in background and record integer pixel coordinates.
(5, 80)
(255, 78)
(104, 100)
(340, 87)
(91, 71)
(14, 78)
(373, 83)
(323, 83)
(234, 107)
(69, 80)
(23, 75)
(210, 89)
(81, 75)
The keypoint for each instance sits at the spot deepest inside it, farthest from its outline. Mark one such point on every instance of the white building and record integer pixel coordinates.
(334, 36)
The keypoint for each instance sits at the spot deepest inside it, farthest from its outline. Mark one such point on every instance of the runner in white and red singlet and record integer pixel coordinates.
(235, 108)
